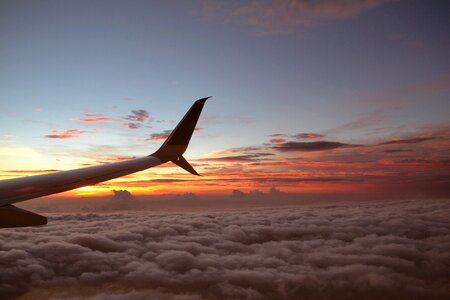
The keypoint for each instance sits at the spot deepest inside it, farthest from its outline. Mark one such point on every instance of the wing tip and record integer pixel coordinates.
(203, 99)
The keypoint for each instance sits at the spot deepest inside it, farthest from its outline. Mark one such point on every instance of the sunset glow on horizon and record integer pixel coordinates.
(334, 98)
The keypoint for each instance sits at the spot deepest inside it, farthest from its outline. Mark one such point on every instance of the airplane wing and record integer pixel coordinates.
(25, 188)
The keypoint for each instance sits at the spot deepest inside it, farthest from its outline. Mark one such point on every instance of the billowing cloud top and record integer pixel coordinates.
(388, 250)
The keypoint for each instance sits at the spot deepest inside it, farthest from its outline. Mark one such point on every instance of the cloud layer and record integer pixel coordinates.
(388, 250)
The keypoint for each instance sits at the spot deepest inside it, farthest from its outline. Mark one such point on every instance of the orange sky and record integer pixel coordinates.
(412, 166)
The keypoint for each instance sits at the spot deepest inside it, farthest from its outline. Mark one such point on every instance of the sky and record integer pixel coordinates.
(317, 97)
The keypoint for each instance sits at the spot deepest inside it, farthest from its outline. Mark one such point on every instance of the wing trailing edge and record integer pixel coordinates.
(12, 216)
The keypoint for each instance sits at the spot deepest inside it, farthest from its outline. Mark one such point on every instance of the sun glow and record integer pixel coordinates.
(86, 191)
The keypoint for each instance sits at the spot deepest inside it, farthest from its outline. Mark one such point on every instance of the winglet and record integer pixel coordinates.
(178, 141)
(183, 163)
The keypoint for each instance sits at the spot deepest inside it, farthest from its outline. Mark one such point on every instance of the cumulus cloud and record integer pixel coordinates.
(257, 194)
(122, 199)
(388, 250)
(238, 194)
(65, 134)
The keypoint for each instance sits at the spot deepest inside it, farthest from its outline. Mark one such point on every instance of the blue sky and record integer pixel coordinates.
(358, 72)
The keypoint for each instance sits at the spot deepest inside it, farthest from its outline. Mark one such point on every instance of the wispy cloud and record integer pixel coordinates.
(237, 158)
(312, 146)
(276, 16)
(162, 136)
(364, 120)
(137, 117)
(279, 138)
(412, 42)
(19, 173)
(93, 118)
(407, 141)
(65, 134)
(32, 171)
(387, 102)
(158, 137)
(308, 135)
(109, 159)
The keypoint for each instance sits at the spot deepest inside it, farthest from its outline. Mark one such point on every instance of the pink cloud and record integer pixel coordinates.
(278, 140)
(92, 118)
(65, 134)
(308, 135)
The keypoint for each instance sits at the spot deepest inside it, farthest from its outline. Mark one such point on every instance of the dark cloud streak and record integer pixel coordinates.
(407, 141)
(137, 118)
(312, 146)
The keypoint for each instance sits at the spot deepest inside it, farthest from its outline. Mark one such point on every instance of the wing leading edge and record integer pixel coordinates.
(25, 188)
